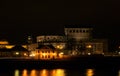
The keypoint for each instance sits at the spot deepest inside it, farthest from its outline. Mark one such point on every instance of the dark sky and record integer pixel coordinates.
(20, 18)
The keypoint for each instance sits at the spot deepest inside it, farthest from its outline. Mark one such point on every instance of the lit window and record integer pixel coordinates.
(17, 53)
(48, 56)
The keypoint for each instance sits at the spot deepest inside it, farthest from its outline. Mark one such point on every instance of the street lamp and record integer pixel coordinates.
(89, 47)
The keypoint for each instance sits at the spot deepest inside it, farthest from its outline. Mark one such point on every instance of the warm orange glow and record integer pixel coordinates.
(16, 73)
(47, 55)
(54, 54)
(58, 72)
(25, 54)
(9, 46)
(4, 42)
(44, 54)
(25, 46)
(32, 54)
(44, 72)
(59, 47)
(33, 73)
(24, 73)
(61, 54)
(89, 72)
(89, 46)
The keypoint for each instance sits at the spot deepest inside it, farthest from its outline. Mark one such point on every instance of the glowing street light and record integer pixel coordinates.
(17, 53)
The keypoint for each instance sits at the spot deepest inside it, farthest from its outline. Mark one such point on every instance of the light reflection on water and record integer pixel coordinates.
(64, 72)
(46, 72)
(89, 72)
(43, 72)
(119, 73)
(16, 72)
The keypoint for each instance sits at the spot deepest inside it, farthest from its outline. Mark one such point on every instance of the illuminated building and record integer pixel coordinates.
(77, 40)
(57, 41)
(19, 51)
(5, 44)
(46, 52)
(16, 51)
(78, 32)
(80, 41)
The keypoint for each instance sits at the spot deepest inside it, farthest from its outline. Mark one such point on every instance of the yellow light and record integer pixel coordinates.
(17, 53)
(89, 72)
(89, 46)
(59, 47)
(32, 55)
(24, 73)
(58, 72)
(54, 53)
(4, 42)
(44, 54)
(16, 73)
(9, 46)
(25, 54)
(89, 53)
(33, 73)
(25, 46)
(44, 72)
(61, 53)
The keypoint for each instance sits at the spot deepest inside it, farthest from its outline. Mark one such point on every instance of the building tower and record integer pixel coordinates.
(78, 32)
(77, 35)
(29, 41)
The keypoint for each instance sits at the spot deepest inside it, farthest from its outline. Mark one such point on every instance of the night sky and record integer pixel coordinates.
(20, 18)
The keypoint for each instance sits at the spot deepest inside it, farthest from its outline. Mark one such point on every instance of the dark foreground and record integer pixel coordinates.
(76, 62)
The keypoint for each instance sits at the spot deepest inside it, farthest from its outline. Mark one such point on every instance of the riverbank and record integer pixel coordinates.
(75, 62)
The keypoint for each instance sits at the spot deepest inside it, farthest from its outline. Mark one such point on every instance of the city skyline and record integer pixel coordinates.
(19, 19)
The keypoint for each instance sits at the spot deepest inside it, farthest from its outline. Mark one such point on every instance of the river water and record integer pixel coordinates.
(60, 72)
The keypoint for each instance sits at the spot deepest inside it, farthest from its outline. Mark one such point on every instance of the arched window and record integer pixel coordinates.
(80, 30)
(83, 30)
(73, 31)
(77, 31)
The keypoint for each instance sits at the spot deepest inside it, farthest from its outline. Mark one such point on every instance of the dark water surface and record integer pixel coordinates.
(80, 66)
(60, 72)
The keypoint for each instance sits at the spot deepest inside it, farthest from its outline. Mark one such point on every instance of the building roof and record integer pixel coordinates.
(4, 42)
(45, 47)
(79, 26)
(18, 48)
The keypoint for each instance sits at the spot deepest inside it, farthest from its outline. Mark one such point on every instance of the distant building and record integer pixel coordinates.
(80, 40)
(46, 52)
(78, 33)
(76, 40)
(5, 44)
(16, 51)
(58, 42)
